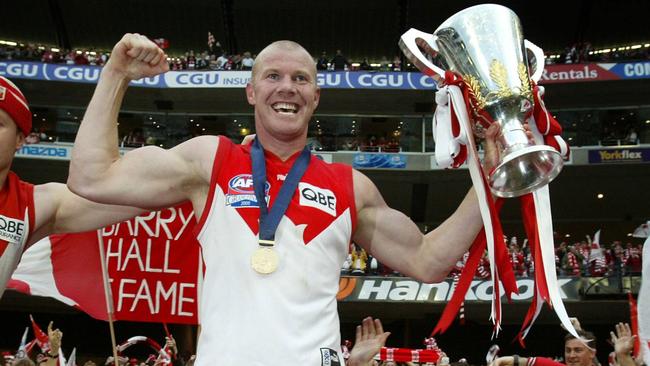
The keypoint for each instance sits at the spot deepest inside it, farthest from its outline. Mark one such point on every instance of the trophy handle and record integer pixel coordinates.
(410, 48)
(539, 59)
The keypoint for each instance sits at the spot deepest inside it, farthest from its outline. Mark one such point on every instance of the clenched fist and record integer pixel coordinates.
(136, 56)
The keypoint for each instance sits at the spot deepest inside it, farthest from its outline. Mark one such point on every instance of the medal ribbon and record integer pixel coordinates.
(269, 220)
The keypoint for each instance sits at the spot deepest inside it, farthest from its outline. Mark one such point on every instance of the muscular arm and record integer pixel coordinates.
(395, 240)
(60, 211)
(148, 177)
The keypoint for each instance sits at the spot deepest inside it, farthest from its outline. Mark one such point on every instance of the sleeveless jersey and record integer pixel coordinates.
(17, 219)
(288, 317)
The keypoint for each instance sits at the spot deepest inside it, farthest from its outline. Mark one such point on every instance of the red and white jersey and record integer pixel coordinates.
(288, 317)
(17, 219)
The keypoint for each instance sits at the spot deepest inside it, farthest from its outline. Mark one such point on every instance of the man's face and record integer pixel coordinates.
(284, 93)
(577, 353)
(10, 140)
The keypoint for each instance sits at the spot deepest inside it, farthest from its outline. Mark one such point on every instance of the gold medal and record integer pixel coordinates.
(264, 260)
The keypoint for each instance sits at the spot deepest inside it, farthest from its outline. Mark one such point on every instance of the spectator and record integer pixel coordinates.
(321, 63)
(81, 59)
(191, 60)
(483, 269)
(384, 65)
(339, 61)
(236, 62)
(33, 138)
(202, 61)
(572, 260)
(213, 64)
(247, 61)
(135, 138)
(397, 64)
(632, 138)
(517, 258)
(365, 65)
(633, 258)
(214, 47)
(576, 353)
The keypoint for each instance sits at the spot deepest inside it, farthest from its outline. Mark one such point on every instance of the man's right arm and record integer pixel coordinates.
(148, 177)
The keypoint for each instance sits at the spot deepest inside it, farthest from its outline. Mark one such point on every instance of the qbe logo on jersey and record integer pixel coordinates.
(329, 357)
(11, 230)
(316, 197)
(241, 193)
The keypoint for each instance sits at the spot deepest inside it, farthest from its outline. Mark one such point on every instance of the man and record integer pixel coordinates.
(576, 352)
(339, 61)
(27, 212)
(280, 287)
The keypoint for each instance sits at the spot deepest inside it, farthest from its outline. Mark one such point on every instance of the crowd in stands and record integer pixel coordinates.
(369, 349)
(215, 57)
(584, 52)
(51, 55)
(578, 259)
(46, 350)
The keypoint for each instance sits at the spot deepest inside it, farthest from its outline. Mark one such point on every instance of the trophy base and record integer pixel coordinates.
(525, 170)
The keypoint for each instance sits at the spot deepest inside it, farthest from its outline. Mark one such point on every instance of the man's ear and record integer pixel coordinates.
(250, 93)
(317, 97)
(20, 140)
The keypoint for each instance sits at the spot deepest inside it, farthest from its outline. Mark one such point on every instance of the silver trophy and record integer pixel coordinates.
(485, 45)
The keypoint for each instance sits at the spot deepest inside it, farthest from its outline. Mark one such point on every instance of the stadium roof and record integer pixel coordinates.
(359, 28)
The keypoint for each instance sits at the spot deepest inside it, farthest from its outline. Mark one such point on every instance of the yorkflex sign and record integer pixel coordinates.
(407, 290)
(335, 80)
(633, 155)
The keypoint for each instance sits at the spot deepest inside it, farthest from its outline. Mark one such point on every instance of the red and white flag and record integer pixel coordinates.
(163, 43)
(153, 266)
(42, 340)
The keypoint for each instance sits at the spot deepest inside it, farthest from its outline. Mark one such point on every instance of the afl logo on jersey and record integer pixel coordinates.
(241, 193)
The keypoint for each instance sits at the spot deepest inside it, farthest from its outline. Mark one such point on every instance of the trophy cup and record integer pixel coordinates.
(484, 45)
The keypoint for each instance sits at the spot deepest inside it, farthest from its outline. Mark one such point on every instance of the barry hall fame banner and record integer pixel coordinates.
(153, 268)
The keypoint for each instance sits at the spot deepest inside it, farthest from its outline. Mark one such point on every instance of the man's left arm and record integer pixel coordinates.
(60, 211)
(392, 238)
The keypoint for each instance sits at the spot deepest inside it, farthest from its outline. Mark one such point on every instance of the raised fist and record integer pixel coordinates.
(136, 56)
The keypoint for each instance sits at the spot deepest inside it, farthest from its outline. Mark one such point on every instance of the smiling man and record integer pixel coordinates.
(275, 222)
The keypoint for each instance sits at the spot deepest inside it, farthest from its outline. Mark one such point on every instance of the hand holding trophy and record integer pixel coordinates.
(486, 73)
(484, 46)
